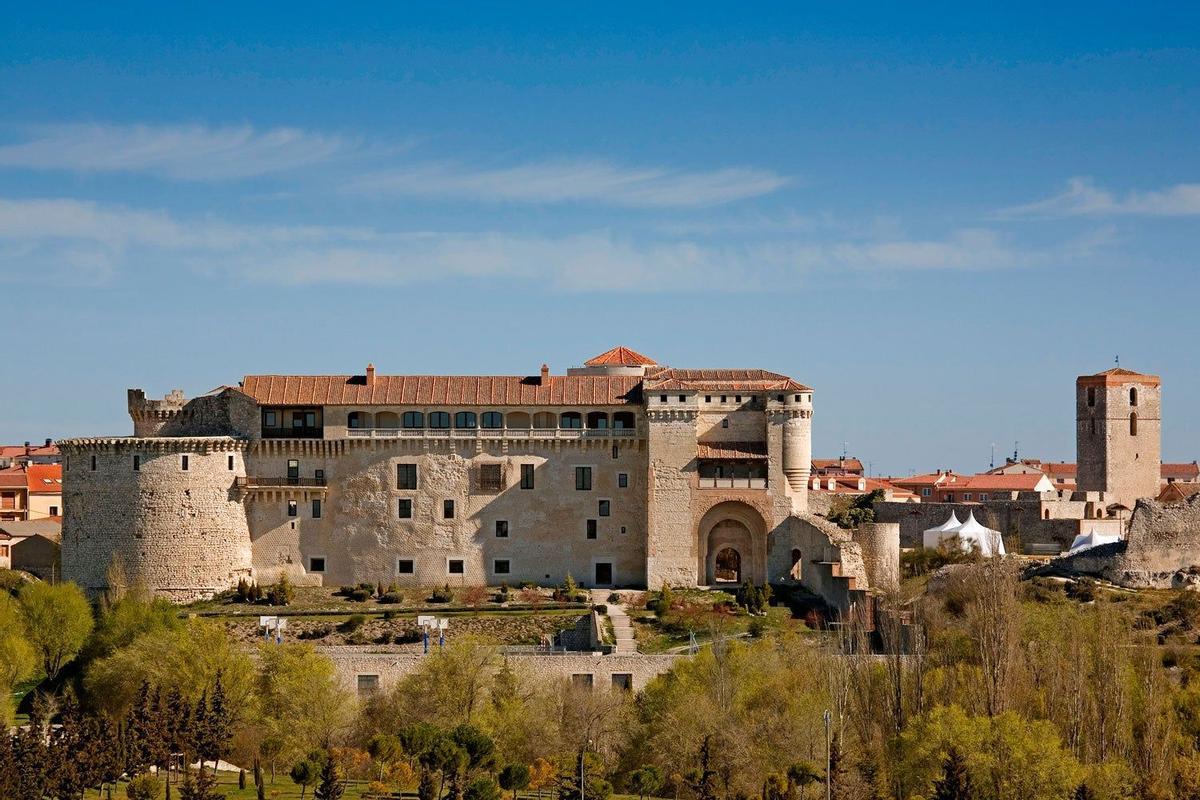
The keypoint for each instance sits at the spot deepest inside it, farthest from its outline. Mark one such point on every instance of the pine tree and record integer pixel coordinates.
(331, 786)
(705, 783)
(31, 754)
(220, 722)
(955, 783)
(1082, 792)
(69, 753)
(201, 731)
(202, 787)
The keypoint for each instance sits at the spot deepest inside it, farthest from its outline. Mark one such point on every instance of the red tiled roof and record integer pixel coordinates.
(733, 380)
(999, 483)
(843, 463)
(1178, 492)
(13, 478)
(620, 357)
(465, 390)
(1190, 471)
(731, 450)
(928, 479)
(1116, 377)
(44, 478)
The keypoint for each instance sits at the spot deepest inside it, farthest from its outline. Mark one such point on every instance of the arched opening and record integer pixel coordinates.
(796, 560)
(439, 419)
(1046, 514)
(387, 419)
(597, 420)
(570, 419)
(464, 419)
(1133, 396)
(1133, 424)
(728, 566)
(491, 419)
(358, 419)
(518, 419)
(544, 420)
(737, 526)
(623, 419)
(412, 419)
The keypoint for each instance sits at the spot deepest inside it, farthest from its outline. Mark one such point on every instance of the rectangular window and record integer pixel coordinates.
(454, 566)
(93, 463)
(404, 566)
(405, 508)
(708, 398)
(229, 463)
(501, 529)
(316, 509)
(293, 470)
(270, 419)
(54, 511)
(967, 496)
(622, 681)
(583, 478)
(447, 509)
(368, 684)
(622, 480)
(406, 476)
(604, 508)
(137, 463)
(662, 398)
(501, 566)
(983, 498)
(491, 477)
(316, 564)
(683, 398)
(292, 508)
(591, 529)
(582, 680)
(925, 492)
(616, 451)
(527, 476)
(184, 464)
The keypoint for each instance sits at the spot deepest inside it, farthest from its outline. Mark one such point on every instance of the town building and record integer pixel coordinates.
(15, 455)
(622, 472)
(31, 491)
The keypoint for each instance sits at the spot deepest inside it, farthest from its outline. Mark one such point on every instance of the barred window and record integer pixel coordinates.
(527, 476)
(583, 478)
(491, 477)
(406, 476)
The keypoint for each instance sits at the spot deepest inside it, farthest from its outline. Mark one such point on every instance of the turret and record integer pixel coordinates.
(1118, 435)
(797, 444)
(149, 416)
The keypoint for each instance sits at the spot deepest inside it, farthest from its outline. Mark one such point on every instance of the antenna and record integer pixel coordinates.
(1118, 360)
(845, 445)
(1016, 450)
(992, 463)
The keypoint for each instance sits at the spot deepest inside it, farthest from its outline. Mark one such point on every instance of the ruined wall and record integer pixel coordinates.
(180, 532)
(880, 545)
(228, 412)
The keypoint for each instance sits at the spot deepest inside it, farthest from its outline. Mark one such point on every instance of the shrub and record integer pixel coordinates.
(391, 598)
(614, 598)
(143, 787)
(664, 602)
(407, 636)
(1083, 590)
(600, 608)
(360, 595)
(243, 590)
(353, 623)
(316, 633)
(282, 593)
(443, 595)
(757, 628)
(345, 591)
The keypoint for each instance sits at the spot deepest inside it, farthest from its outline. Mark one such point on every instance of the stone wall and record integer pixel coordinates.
(1023, 523)
(1111, 459)
(181, 532)
(880, 545)
(350, 663)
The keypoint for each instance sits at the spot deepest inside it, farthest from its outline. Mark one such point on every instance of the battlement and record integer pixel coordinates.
(149, 416)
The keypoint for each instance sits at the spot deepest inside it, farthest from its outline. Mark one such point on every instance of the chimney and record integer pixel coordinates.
(370, 374)
(27, 448)
(545, 373)
(48, 441)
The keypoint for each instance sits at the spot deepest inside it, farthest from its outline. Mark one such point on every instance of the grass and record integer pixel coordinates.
(653, 637)
(282, 789)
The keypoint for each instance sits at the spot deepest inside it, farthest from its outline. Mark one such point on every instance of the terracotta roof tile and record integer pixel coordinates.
(620, 357)
(418, 390)
(44, 478)
(746, 380)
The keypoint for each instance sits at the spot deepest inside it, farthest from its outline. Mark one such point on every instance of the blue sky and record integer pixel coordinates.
(935, 217)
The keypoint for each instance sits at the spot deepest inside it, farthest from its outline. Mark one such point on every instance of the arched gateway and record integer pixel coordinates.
(732, 544)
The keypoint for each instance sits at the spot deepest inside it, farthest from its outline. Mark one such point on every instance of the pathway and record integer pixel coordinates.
(622, 627)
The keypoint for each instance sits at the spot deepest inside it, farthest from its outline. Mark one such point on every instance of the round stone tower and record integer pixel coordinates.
(797, 444)
(167, 508)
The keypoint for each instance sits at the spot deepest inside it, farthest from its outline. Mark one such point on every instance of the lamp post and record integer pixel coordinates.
(828, 755)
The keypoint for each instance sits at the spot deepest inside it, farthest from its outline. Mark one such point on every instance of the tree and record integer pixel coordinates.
(955, 782)
(645, 781)
(58, 619)
(144, 787)
(426, 789)
(303, 774)
(514, 778)
(331, 786)
(1082, 792)
(202, 787)
(17, 656)
(704, 781)
(482, 788)
(302, 705)
(385, 750)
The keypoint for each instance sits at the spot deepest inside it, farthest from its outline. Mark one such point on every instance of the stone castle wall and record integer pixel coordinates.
(1022, 522)
(880, 545)
(180, 532)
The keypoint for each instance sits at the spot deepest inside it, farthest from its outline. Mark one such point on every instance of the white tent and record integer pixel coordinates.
(932, 537)
(1092, 539)
(971, 536)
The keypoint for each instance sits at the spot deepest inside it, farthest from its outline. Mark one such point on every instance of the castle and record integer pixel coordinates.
(622, 472)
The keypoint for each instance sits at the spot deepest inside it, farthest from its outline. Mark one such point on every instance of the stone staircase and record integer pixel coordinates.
(622, 627)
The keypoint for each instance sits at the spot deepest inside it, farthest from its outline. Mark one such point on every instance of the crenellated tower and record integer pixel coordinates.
(1118, 434)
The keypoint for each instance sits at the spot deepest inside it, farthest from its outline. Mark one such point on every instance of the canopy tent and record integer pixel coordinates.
(1091, 539)
(970, 534)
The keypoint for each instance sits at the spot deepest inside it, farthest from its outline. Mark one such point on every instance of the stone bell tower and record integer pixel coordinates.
(1118, 434)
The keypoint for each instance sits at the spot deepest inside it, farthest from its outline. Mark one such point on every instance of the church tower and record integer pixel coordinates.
(1118, 435)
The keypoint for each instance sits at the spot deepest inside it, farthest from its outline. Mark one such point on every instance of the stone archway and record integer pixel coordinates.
(731, 545)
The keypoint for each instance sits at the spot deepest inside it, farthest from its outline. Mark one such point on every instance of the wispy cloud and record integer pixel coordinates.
(1082, 198)
(185, 152)
(575, 180)
(66, 240)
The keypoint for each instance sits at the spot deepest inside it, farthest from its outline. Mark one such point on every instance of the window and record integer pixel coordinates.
(527, 476)
(491, 477)
(1133, 397)
(406, 476)
(582, 680)
(355, 420)
(464, 419)
(779, 398)
(583, 478)
(737, 398)
(183, 464)
(292, 508)
(229, 463)
(683, 398)
(491, 419)
(622, 480)
(439, 419)
(983, 497)
(447, 509)
(501, 529)
(368, 684)
(570, 419)
(318, 476)
(54, 511)
(404, 566)
(405, 508)
(708, 398)
(293, 471)
(662, 398)
(623, 420)
(591, 529)
(622, 681)
(616, 451)
(412, 419)
(967, 496)
(725, 423)
(1091, 396)
(926, 491)
(316, 564)
(454, 566)
(270, 419)
(622, 529)
(94, 463)
(1133, 424)
(724, 398)
(137, 463)
(501, 566)
(605, 507)
(316, 509)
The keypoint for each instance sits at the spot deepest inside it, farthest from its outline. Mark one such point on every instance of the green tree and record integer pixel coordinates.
(301, 705)
(384, 750)
(17, 657)
(330, 787)
(427, 789)
(514, 778)
(58, 619)
(955, 782)
(646, 781)
(482, 788)
(144, 787)
(202, 787)
(303, 774)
